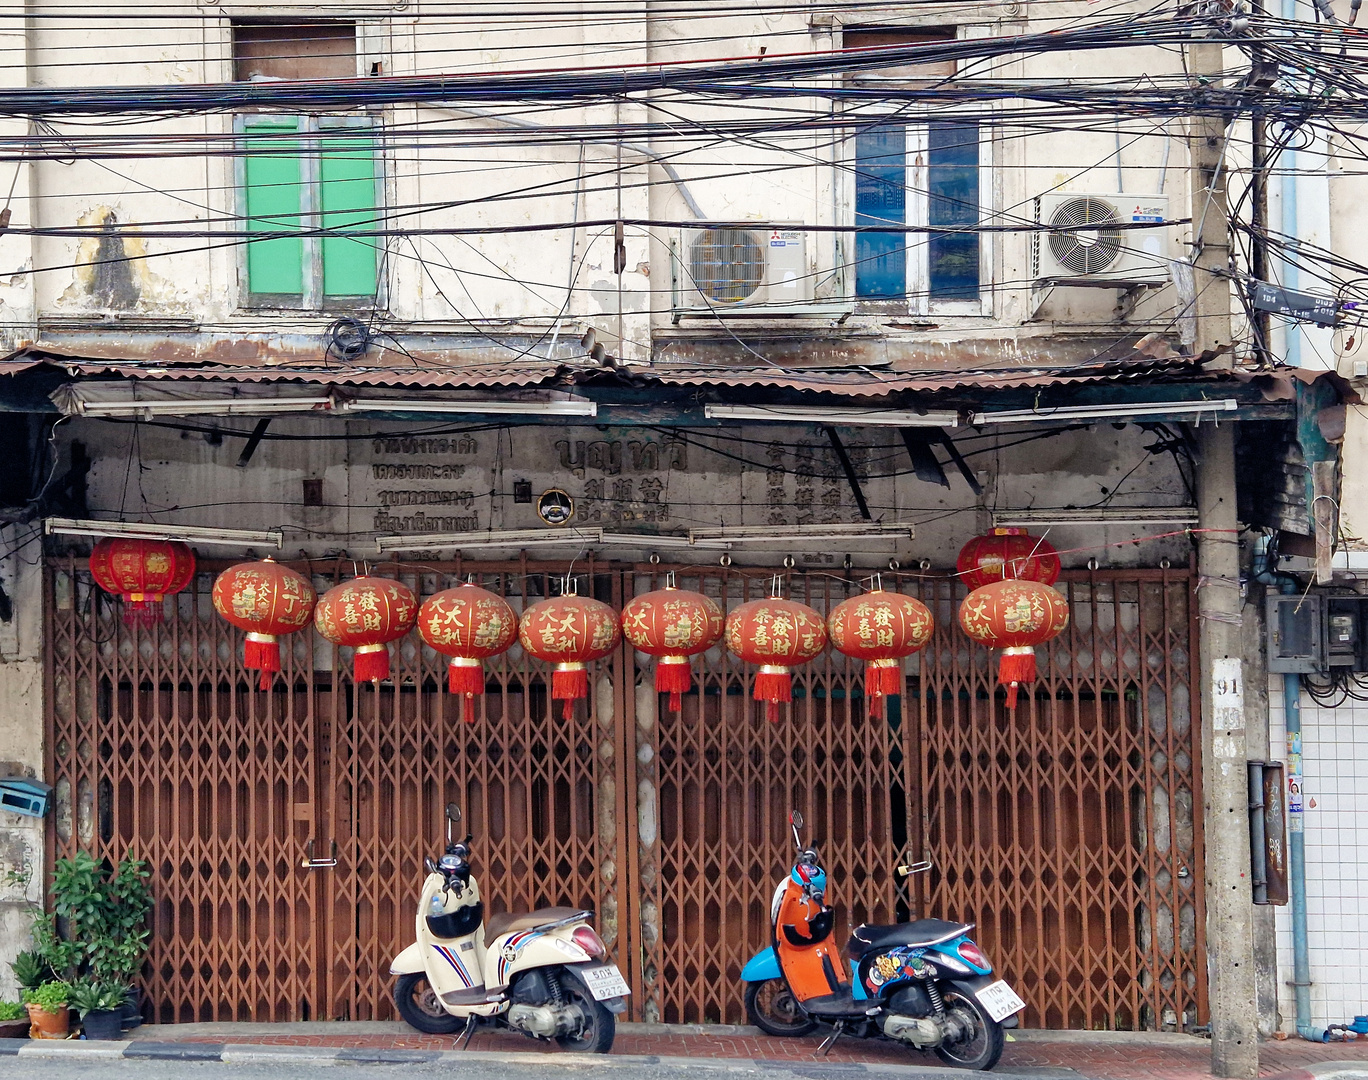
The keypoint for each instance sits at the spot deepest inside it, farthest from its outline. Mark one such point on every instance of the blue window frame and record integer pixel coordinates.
(920, 175)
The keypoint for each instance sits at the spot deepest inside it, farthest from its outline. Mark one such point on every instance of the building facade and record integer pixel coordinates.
(272, 276)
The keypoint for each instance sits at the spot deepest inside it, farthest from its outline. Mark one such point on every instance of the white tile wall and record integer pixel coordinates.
(1335, 768)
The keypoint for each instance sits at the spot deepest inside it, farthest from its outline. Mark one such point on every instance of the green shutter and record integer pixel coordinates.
(275, 268)
(348, 201)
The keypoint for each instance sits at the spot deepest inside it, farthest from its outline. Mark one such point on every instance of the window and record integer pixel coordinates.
(311, 175)
(925, 173)
(301, 174)
(282, 50)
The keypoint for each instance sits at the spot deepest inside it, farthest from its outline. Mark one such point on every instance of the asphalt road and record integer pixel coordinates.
(31, 1068)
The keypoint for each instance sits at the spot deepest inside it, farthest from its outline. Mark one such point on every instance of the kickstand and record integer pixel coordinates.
(830, 1040)
(472, 1021)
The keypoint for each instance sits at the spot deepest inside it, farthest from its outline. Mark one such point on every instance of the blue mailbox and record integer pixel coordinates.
(24, 795)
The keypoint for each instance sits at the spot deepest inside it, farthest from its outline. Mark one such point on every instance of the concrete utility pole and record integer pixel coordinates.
(1229, 902)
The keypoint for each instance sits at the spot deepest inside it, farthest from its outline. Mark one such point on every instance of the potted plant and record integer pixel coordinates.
(13, 1020)
(98, 925)
(49, 1017)
(100, 1007)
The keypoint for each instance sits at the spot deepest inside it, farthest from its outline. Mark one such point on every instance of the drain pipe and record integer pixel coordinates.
(1296, 824)
(1296, 860)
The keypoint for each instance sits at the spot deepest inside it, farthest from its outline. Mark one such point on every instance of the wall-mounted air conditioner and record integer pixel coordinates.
(1082, 244)
(757, 270)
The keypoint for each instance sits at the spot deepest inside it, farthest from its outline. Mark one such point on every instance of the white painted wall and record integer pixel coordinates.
(21, 746)
(1335, 770)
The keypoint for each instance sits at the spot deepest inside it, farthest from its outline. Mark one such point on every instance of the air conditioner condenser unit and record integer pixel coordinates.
(724, 268)
(1092, 239)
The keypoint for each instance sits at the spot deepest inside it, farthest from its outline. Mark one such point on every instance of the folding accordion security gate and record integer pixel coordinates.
(1069, 832)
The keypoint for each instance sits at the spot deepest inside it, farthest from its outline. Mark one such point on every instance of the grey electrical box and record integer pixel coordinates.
(1296, 633)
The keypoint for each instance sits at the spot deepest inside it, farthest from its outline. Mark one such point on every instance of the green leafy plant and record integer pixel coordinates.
(90, 995)
(100, 925)
(11, 1010)
(49, 997)
(30, 969)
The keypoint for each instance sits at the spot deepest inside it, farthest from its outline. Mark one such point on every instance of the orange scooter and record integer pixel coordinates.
(922, 983)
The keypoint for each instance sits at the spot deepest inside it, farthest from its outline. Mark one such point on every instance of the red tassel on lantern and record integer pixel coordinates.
(569, 683)
(674, 676)
(1016, 666)
(372, 662)
(773, 684)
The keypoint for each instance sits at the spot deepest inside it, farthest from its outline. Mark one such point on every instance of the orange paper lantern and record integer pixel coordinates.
(570, 632)
(776, 634)
(1007, 554)
(141, 573)
(267, 600)
(468, 624)
(1014, 616)
(880, 628)
(367, 613)
(672, 624)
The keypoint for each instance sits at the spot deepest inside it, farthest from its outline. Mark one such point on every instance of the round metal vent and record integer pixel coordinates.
(1084, 249)
(727, 265)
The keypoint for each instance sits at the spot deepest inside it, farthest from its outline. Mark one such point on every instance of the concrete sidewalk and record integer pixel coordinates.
(1031, 1055)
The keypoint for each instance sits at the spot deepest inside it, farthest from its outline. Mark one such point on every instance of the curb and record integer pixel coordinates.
(247, 1053)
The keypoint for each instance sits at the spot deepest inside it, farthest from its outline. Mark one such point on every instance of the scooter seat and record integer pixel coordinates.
(510, 922)
(867, 939)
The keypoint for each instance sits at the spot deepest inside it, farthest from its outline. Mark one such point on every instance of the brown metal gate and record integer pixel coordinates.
(1071, 833)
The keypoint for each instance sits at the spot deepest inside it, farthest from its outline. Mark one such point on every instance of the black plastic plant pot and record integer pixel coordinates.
(102, 1024)
(131, 1014)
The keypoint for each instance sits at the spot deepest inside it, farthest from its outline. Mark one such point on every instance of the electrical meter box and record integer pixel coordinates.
(1344, 632)
(1296, 633)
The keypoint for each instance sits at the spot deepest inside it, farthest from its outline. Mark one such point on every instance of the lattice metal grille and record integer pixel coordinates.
(1071, 833)
(725, 781)
(160, 748)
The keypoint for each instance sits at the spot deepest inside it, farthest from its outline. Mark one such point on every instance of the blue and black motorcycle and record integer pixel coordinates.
(922, 983)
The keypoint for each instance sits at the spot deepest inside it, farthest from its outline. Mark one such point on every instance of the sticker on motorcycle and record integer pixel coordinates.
(605, 982)
(999, 1000)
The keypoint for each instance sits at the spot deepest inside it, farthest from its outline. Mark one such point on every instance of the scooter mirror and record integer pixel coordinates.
(796, 823)
(453, 812)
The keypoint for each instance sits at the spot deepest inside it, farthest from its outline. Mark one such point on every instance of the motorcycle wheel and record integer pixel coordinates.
(979, 1050)
(418, 1005)
(771, 1007)
(596, 1037)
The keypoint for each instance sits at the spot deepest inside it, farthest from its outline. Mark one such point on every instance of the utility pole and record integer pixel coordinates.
(1229, 902)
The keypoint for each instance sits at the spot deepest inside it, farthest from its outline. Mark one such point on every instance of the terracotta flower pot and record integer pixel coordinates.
(49, 1025)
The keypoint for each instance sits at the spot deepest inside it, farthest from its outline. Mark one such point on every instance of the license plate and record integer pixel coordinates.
(607, 982)
(999, 1000)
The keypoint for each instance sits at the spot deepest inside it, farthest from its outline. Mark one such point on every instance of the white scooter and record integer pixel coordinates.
(544, 973)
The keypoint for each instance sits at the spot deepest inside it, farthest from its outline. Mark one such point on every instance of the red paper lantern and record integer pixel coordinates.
(267, 600)
(367, 613)
(468, 624)
(1014, 616)
(569, 631)
(1007, 554)
(776, 634)
(141, 572)
(880, 628)
(673, 625)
